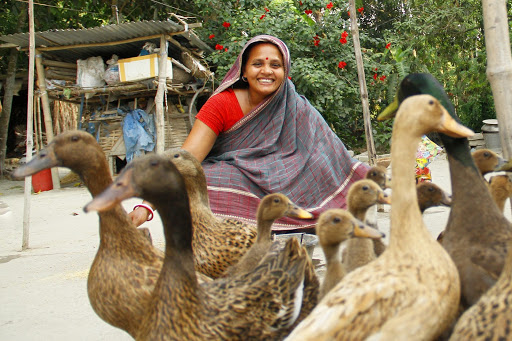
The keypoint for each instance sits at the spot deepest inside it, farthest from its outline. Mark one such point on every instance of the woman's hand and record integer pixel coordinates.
(139, 215)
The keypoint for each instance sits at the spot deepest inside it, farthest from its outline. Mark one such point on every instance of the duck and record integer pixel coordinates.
(431, 195)
(477, 233)
(260, 304)
(412, 290)
(334, 228)
(126, 266)
(379, 175)
(491, 317)
(486, 160)
(500, 187)
(271, 207)
(362, 195)
(218, 242)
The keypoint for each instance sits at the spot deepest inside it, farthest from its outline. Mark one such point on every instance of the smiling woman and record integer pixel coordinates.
(256, 135)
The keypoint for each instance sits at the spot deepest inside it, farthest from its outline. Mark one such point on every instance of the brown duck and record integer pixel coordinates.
(126, 266)
(412, 290)
(334, 228)
(218, 243)
(262, 304)
(362, 195)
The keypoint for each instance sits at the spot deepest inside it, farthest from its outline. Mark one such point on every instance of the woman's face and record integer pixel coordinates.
(264, 69)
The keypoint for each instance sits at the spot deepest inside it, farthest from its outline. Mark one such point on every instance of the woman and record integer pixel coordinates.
(256, 135)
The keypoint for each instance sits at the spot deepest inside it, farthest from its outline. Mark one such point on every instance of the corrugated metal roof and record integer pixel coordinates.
(105, 34)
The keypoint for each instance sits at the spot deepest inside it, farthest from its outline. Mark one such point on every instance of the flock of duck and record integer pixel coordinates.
(223, 279)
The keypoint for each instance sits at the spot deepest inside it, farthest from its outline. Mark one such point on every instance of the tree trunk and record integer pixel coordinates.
(370, 146)
(5, 114)
(499, 67)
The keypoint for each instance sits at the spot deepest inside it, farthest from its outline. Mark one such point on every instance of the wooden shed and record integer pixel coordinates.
(168, 91)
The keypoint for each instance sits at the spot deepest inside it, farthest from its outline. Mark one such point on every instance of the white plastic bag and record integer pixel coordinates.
(90, 72)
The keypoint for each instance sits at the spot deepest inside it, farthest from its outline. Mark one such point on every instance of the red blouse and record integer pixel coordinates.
(221, 112)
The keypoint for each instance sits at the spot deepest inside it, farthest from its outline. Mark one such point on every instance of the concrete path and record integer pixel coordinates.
(43, 293)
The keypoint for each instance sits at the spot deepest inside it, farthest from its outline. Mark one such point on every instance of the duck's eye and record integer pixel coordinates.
(154, 163)
(365, 188)
(336, 220)
(276, 200)
(431, 189)
(486, 154)
(374, 173)
(74, 138)
(176, 156)
(431, 102)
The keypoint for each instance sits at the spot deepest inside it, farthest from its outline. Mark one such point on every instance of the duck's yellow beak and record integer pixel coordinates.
(504, 166)
(295, 211)
(364, 231)
(384, 198)
(390, 111)
(452, 128)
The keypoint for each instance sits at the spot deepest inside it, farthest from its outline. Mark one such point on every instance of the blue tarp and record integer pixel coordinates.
(138, 132)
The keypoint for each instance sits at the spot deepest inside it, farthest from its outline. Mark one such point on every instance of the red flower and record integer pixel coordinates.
(308, 11)
(348, 13)
(267, 10)
(342, 65)
(360, 10)
(329, 5)
(382, 78)
(211, 36)
(344, 34)
(388, 45)
(219, 47)
(375, 76)
(343, 40)
(375, 69)
(317, 40)
(226, 24)
(263, 16)
(300, 3)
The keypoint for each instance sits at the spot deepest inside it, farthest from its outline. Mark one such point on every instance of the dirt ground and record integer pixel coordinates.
(43, 291)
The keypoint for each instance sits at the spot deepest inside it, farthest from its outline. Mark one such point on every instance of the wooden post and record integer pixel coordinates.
(160, 93)
(30, 109)
(499, 67)
(47, 113)
(370, 145)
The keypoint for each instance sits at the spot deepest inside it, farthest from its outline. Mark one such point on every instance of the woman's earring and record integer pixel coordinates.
(244, 79)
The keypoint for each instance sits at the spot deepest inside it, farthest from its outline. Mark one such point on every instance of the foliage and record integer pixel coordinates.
(397, 37)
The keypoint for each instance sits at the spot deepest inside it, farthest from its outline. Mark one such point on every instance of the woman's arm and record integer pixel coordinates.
(199, 143)
(200, 140)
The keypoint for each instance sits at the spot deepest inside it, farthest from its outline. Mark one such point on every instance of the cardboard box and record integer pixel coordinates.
(142, 67)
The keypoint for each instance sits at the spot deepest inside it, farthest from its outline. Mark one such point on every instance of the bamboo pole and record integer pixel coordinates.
(30, 109)
(499, 68)
(159, 98)
(48, 126)
(370, 146)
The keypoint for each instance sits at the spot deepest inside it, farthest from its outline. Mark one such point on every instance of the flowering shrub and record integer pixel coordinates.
(323, 60)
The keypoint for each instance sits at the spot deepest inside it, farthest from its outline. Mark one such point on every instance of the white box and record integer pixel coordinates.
(141, 67)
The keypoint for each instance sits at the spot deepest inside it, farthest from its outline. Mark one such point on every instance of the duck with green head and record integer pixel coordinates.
(476, 233)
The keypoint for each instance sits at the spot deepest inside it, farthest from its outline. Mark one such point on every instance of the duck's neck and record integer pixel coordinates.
(96, 175)
(406, 221)
(358, 212)
(179, 257)
(116, 228)
(264, 227)
(467, 184)
(333, 259)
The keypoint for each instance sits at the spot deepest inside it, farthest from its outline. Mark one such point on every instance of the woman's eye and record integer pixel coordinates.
(276, 65)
